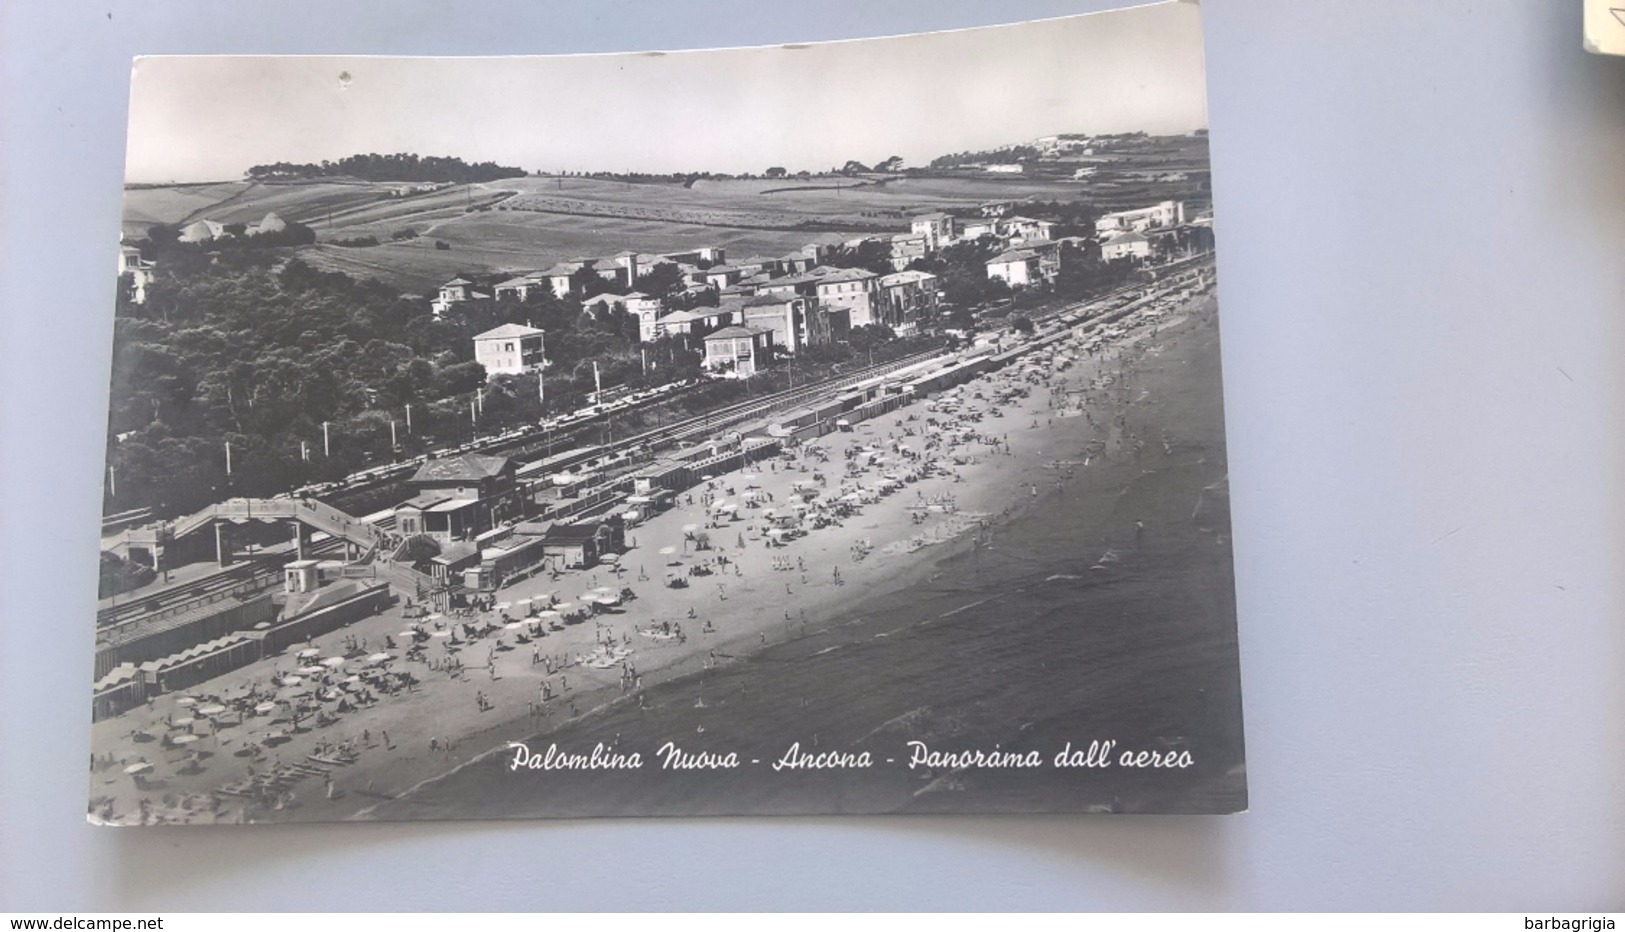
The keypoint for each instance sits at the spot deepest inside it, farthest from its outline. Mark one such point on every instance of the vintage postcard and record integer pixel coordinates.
(812, 429)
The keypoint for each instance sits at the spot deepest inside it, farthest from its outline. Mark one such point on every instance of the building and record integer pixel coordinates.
(849, 298)
(520, 286)
(937, 228)
(784, 313)
(1022, 229)
(910, 298)
(1125, 246)
(455, 292)
(139, 271)
(201, 231)
(270, 223)
(707, 255)
(560, 278)
(757, 264)
(646, 308)
(721, 276)
(510, 349)
(795, 263)
(906, 247)
(577, 546)
(698, 322)
(460, 497)
(740, 350)
(976, 229)
(1165, 214)
(1019, 268)
(822, 247)
(621, 268)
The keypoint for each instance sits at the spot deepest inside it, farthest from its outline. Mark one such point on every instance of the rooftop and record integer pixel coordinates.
(1129, 237)
(737, 333)
(509, 332)
(849, 275)
(466, 466)
(1014, 255)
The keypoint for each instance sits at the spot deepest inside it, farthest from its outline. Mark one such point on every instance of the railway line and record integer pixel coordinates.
(264, 570)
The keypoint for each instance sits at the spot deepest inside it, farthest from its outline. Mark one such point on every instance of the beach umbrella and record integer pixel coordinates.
(186, 700)
(442, 634)
(407, 634)
(547, 613)
(513, 624)
(138, 767)
(610, 558)
(379, 657)
(311, 671)
(183, 739)
(265, 708)
(501, 606)
(308, 652)
(292, 680)
(333, 662)
(211, 710)
(667, 551)
(690, 528)
(351, 680)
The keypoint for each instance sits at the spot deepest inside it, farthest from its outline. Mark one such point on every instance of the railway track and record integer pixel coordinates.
(253, 575)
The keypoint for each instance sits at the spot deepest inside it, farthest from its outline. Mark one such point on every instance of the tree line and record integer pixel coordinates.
(401, 166)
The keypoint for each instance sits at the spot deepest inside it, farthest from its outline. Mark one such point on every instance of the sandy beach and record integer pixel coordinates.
(985, 462)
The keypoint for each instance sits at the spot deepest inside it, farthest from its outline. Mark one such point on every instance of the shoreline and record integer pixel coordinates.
(747, 610)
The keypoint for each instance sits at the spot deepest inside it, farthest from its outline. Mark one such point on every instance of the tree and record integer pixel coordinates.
(893, 164)
(663, 281)
(871, 254)
(1022, 324)
(776, 171)
(853, 167)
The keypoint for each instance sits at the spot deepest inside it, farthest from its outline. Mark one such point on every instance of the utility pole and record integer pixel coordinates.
(394, 444)
(228, 458)
(597, 386)
(409, 419)
(327, 446)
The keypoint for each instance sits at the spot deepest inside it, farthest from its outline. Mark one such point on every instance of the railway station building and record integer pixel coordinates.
(460, 497)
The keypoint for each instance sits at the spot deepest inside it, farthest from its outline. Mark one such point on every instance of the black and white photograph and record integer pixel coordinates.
(811, 429)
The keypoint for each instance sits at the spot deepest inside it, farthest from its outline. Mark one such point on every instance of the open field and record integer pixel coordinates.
(495, 241)
(534, 222)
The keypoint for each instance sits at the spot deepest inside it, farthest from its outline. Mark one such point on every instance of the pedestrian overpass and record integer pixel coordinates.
(368, 547)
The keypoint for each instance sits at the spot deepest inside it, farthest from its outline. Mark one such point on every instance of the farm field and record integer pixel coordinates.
(534, 222)
(492, 242)
(145, 206)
